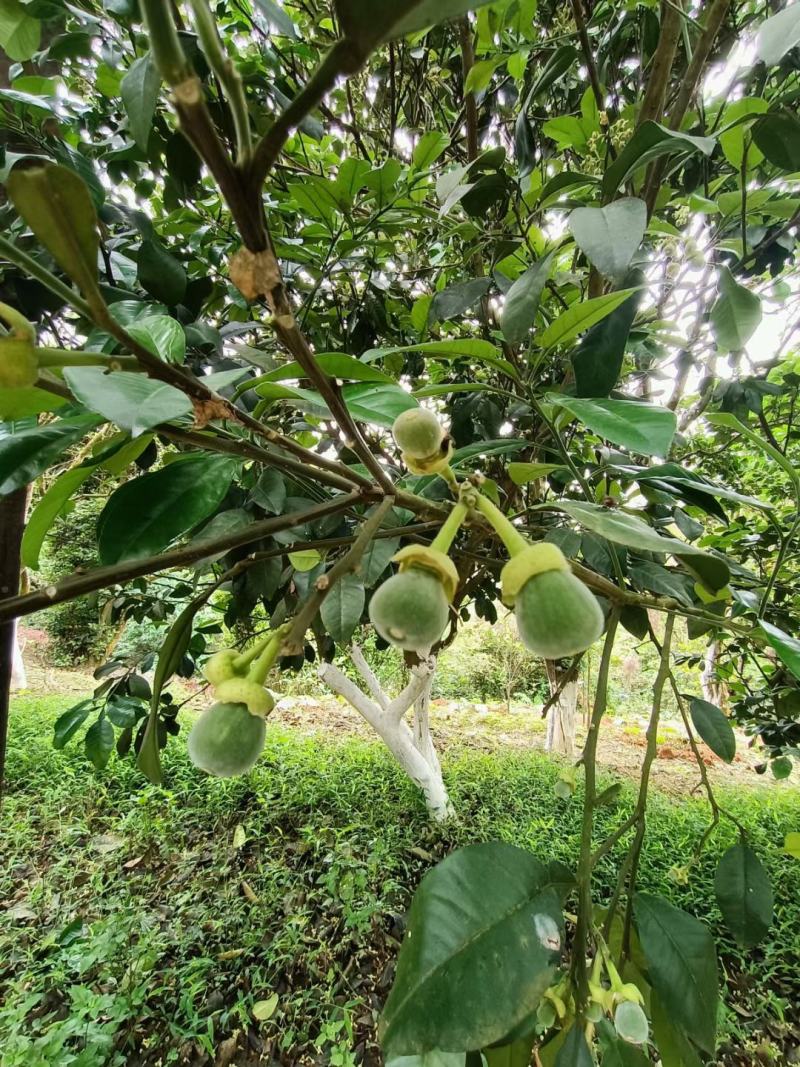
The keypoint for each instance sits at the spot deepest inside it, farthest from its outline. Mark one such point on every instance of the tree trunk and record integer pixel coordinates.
(412, 747)
(560, 736)
(12, 523)
(19, 679)
(713, 690)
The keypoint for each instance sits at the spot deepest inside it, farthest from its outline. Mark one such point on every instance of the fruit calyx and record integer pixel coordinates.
(532, 560)
(430, 559)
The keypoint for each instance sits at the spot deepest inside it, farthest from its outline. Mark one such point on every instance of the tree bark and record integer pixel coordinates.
(412, 748)
(12, 523)
(560, 736)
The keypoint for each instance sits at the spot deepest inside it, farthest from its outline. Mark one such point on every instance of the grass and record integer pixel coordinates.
(144, 925)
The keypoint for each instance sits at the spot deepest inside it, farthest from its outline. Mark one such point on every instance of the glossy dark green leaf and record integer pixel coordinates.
(20, 403)
(643, 428)
(133, 401)
(139, 91)
(714, 728)
(144, 515)
(68, 724)
(781, 767)
(24, 455)
(456, 299)
(744, 895)
(777, 135)
(575, 1052)
(484, 936)
(787, 647)
(162, 336)
(735, 315)
(160, 273)
(269, 492)
(625, 529)
(597, 362)
(581, 317)
(515, 1054)
(376, 559)
(609, 236)
(682, 965)
(619, 1053)
(674, 1047)
(342, 608)
(99, 742)
(522, 301)
(650, 141)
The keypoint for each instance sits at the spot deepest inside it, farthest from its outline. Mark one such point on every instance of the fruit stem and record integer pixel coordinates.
(506, 531)
(263, 665)
(450, 528)
(244, 659)
(63, 357)
(450, 477)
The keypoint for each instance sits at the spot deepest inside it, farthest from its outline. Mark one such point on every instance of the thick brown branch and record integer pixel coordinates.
(656, 92)
(77, 584)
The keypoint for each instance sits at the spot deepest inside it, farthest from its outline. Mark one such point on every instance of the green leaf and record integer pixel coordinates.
(469, 348)
(304, 560)
(724, 418)
(682, 965)
(673, 1046)
(434, 1058)
(522, 301)
(777, 135)
(160, 273)
(597, 362)
(269, 492)
(522, 473)
(170, 657)
(144, 515)
(735, 315)
(58, 207)
(619, 1053)
(734, 138)
(515, 1054)
(484, 935)
(643, 428)
(139, 91)
(480, 74)
(713, 726)
(791, 845)
(162, 336)
(99, 742)
(377, 558)
(625, 529)
(19, 31)
(350, 180)
(778, 35)
(265, 1009)
(788, 648)
(609, 236)
(342, 607)
(781, 767)
(650, 141)
(47, 509)
(21, 403)
(133, 401)
(575, 1052)
(68, 724)
(337, 364)
(428, 149)
(456, 299)
(581, 317)
(369, 22)
(24, 455)
(277, 17)
(744, 895)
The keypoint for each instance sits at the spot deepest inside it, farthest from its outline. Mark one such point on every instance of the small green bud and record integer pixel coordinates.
(557, 615)
(219, 668)
(418, 433)
(226, 740)
(258, 700)
(410, 610)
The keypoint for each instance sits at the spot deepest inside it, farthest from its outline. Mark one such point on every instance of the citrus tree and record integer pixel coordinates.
(388, 312)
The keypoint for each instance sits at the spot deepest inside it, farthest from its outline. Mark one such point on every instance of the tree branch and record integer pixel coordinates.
(656, 92)
(348, 564)
(372, 683)
(79, 583)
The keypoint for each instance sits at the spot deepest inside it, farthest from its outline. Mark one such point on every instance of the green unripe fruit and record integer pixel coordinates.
(418, 433)
(257, 699)
(631, 1024)
(226, 740)
(410, 610)
(557, 615)
(219, 668)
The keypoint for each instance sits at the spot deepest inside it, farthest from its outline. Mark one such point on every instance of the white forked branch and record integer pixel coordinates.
(412, 748)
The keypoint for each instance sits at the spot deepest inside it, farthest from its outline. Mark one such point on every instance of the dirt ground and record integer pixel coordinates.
(485, 728)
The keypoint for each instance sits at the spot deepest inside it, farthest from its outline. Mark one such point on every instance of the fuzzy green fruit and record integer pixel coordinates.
(557, 615)
(219, 668)
(418, 433)
(410, 609)
(226, 740)
(19, 366)
(631, 1024)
